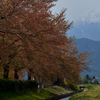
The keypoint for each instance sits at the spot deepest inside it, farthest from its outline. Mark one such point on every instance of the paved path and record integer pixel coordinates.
(85, 89)
(67, 98)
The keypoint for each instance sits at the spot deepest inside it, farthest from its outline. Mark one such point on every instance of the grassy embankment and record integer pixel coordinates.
(91, 94)
(40, 94)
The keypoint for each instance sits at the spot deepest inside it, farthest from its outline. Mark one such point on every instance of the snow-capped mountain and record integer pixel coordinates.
(88, 26)
(92, 16)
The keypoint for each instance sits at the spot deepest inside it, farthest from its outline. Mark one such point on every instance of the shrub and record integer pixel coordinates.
(88, 86)
(73, 87)
(17, 85)
(70, 85)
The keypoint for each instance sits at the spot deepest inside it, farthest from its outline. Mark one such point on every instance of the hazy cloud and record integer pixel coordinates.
(75, 8)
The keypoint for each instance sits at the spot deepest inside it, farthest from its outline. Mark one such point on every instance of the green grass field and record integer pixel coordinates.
(91, 94)
(40, 94)
(30, 95)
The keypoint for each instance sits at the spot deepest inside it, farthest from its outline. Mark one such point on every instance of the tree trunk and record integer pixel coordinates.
(29, 77)
(6, 72)
(29, 74)
(16, 72)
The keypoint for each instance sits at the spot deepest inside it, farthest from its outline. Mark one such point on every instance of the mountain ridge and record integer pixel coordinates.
(86, 30)
(93, 47)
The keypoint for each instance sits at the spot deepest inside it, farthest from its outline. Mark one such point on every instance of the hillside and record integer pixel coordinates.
(92, 47)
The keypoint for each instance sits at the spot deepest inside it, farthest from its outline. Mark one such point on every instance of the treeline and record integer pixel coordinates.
(32, 39)
(87, 79)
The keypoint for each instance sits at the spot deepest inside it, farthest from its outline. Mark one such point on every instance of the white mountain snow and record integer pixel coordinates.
(91, 16)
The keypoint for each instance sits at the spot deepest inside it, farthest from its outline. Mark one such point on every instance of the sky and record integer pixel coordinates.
(75, 8)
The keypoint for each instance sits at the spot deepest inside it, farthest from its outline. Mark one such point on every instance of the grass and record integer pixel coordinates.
(58, 90)
(30, 95)
(91, 94)
(40, 94)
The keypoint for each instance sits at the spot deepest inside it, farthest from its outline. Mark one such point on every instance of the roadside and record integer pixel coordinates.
(67, 98)
(62, 96)
(40, 94)
(52, 93)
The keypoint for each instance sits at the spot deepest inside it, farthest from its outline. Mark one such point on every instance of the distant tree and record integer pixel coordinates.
(93, 77)
(87, 76)
(84, 79)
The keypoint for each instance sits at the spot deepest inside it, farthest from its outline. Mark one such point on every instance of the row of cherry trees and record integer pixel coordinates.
(33, 39)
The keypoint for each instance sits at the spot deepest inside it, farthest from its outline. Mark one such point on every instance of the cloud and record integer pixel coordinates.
(75, 8)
